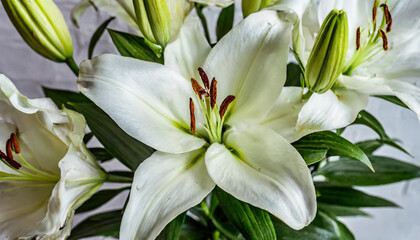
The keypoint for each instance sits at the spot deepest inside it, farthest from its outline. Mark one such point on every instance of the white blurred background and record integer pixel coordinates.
(29, 72)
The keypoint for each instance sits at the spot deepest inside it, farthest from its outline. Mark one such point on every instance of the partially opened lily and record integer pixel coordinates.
(214, 133)
(382, 59)
(45, 170)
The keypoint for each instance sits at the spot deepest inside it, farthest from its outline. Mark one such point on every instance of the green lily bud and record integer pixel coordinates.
(252, 6)
(42, 26)
(154, 20)
(326, 60)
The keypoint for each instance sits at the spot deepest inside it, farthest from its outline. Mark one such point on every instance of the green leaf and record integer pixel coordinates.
(349, 197)
(173, 230)
(99, 199)
(324, 226)
(393, 100)
(225, 21)
(294, 73)
(97, 35)
(340, 211)
(312, 156)
(369, 120)
(101, 154)
(336, 145)
(103, 224)
(193, 230)
(370, 146)
(349, 172)
(252, 222)
(125, 148)
(88, 137)
(130, 45)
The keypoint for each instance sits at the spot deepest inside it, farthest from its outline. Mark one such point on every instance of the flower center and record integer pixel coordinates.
(214, 116)
(375, 42)
(22, 169)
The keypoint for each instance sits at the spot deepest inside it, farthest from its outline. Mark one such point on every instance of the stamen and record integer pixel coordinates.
(225, 104)
(15, 143)
(9, 148)
(10, 161)
(358, 39)
(213, 93)
(388, 17)
(197, 88)
(375, 11)
(204, 78)
(192, 116)
(384, 40)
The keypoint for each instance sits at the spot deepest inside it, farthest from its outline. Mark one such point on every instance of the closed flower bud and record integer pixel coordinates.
(42, 26)
(326, 60)
(154, 20)
(251, 6)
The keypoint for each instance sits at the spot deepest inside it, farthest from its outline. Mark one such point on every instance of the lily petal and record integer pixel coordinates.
(331, 110)
(283, 117)
(123, 9)
(189, 51)
(406, 92)
(79, 181)
(147, 100)
(164, 186)
(250, 63)
(258, 166)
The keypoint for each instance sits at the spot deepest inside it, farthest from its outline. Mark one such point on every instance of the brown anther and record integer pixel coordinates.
(197, 88)
(384, 40)
(225, 104)
(388, 17)
(213, 92)
(9, 149)
(192, 116)
(15, 143)
(375, 11)
(10, 161)
(204, 78)
(358, 39)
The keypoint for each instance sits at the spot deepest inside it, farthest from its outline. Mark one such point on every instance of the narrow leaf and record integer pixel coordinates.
(393, 100)
(99, 199)
(225, 21)
(349, 172)
(370, 146)
(88, 137)
(312, 156)
(252, 222)
(130, 45)
(104, 224)
(369, 120)
(341, 211)
(101, 154)
(349, 197)
(97, 35)
(336, 145)
(293, 75)
(324, 226)
(173, 230)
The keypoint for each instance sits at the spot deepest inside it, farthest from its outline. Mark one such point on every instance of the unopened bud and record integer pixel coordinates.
(252, 6)
(42, 26)
(326, 60)
(154, 20)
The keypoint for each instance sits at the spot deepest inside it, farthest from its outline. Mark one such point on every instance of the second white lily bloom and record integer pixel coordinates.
(210, 134)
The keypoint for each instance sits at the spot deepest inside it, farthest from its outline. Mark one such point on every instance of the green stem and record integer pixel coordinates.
(203, 20)
(73, 66)
(216, 235)
(117, 179)
(307, 95)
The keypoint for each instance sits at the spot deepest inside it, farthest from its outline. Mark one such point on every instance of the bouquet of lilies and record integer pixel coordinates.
(238, 138)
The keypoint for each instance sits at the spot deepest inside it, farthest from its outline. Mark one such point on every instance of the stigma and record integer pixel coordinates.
(207, 101)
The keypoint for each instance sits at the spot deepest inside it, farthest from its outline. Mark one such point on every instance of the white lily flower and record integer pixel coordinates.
(211, 134)
(45, 170)
(383, 59)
